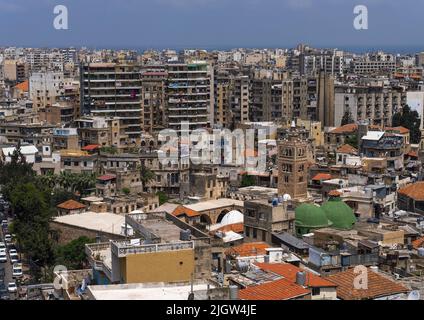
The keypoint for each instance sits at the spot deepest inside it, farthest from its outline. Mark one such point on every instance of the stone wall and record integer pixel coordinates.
(67, 233)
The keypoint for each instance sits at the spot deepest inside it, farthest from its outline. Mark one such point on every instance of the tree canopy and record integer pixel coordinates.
(409, 119)
(347, 118)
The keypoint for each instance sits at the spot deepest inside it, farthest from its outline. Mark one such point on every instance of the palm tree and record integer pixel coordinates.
(146, 175)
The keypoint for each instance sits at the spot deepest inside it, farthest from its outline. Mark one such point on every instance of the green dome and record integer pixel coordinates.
(339, 213)
(311, 216)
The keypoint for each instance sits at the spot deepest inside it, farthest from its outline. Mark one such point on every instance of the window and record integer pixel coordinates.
(316, 291)
(247, 231)
(263, 235)
(255, 233)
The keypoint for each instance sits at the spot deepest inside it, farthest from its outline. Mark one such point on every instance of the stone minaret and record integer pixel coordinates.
(293, 165)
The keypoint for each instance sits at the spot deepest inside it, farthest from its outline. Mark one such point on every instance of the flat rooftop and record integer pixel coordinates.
(159, 291)
(214, 204)
(163, 228)
(105, 222)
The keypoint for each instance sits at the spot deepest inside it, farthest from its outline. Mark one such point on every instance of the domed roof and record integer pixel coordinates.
(311, 216)
(339, 213)
(232, 217)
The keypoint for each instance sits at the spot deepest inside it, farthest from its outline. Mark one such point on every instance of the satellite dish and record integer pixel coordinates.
(414, 295)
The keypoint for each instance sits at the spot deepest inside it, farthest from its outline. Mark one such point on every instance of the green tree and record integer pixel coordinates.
(31, 223)
(15, 172)
(81, 183)
(408, 119)
(146, 175)
(352, 140)
(163, 198)
(347, 118)
(109, 149)
(72, 255)
(126, 191)
(247, 181)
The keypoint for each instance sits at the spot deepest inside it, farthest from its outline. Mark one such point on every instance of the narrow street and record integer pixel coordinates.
(7, 268)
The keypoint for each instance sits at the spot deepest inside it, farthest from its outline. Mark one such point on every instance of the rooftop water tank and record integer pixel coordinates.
(421, 252)
(234, 293)
(301, 278)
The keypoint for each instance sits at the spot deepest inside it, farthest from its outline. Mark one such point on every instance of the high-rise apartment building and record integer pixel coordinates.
(188, 95)
(231, 92)
(45, 88)
(114, 90)
(154, 79)
(374, 64)
(309, 98)
(376, 104)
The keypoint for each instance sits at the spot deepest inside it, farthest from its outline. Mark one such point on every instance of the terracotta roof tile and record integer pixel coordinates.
(412, 154)
(419, 243)
(181, 210)
(347, 148)
(23, 86)
(90, 147)
(275, 290)
(322, 176)
(378, 286)
(347, 128)
(107, 177)
(414, 191)
(334, 193)
(400, 130)
(289, 271)
(235, 227)
(71, 205)
(248, 249)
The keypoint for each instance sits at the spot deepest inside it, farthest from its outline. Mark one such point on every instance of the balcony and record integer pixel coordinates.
(99, 257)
(123, 248)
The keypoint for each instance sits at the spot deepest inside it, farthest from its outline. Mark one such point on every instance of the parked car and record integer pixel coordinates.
(2, 245)
(8, 238)
(17, 271)
(4, 223)
(13, 255)
(3, 292)
(12, 287)
(3, 256)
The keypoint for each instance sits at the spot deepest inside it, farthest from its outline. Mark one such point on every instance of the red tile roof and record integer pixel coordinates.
(275, 290)
(400, 130)
(71, 205)
(181, 210)
(334, 193)
(412, 154)
(90, 147)
(419, 243)
(347, 128)
(289, 271)
(248, 249)
(414, 191)
(347, 148)
(378, 286)
(322, 176)
(107, 177)
(235, 227)
(23, 86)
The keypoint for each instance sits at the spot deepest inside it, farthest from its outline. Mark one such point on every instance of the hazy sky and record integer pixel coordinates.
(211, 23)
